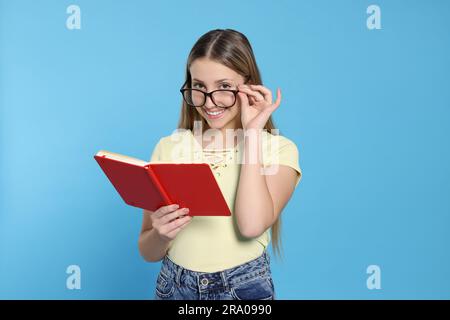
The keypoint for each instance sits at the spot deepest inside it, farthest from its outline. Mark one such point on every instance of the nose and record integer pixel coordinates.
(209, 104)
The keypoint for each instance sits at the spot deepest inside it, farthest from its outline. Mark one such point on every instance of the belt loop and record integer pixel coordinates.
(178, 275)
(266, 255)
(225, 280)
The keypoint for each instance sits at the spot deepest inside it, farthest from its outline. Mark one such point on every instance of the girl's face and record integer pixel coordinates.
(208, 75)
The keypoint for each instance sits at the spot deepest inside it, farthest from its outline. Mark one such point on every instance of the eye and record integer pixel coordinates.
(225, 86)
(197, 85)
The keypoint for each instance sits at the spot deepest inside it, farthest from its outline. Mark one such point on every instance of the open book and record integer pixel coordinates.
(150, 185)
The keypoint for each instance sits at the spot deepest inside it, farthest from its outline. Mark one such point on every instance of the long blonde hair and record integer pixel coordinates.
(232, 49)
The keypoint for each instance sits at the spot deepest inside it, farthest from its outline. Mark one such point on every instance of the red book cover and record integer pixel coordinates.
(148, 185)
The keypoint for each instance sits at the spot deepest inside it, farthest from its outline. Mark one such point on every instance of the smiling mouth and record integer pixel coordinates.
(214, 113)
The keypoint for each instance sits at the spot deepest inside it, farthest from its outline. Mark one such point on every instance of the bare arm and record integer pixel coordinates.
(159, 228)
(261, 198)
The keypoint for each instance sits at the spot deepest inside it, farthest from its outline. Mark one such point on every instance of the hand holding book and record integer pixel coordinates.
(167, 221)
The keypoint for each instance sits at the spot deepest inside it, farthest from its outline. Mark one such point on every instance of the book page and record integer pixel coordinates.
(122, 158)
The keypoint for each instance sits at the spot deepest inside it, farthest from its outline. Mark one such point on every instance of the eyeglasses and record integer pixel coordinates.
(222, 98)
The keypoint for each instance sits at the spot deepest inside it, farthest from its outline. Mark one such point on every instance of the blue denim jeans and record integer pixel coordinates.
(249, 281)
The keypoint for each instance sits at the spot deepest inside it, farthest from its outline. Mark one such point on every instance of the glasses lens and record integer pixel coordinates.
(224, 98)
(194, 97)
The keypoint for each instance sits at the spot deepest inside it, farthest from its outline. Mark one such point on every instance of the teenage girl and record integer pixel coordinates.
(215, 257)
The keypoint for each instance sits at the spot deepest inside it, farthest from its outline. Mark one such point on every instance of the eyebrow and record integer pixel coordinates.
(214, 82)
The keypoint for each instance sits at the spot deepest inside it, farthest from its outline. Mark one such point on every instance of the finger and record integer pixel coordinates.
(173, 215)
(165, 210)
(278, 101)
(254, 103)
(276, 104)
(244, 99)
(258, 96)
(176, 223)
(267, 94)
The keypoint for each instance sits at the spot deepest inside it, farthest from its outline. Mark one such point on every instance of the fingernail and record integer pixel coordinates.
(175, 206)
(186, 210)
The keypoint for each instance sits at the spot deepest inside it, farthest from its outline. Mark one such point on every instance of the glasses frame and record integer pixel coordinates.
(208, 94)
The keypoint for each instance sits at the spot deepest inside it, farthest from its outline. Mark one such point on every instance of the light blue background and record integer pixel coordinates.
(368, 109)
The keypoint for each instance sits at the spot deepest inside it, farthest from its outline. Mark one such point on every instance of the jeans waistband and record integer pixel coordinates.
(257, 266)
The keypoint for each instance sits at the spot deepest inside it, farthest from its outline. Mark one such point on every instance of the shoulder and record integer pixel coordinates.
(277, 143)
(176, 137)
(278, 149)
(173, 146)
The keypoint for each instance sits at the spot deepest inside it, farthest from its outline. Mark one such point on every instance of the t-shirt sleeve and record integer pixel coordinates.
(157, 152)
(283, 151)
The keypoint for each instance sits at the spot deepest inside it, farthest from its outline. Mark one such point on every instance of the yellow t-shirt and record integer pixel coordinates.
(211, 244)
